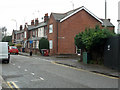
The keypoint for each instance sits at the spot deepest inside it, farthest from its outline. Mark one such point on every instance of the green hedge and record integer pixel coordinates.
(43, 44)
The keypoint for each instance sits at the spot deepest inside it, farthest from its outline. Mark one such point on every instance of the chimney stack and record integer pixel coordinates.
(36, 21)
(46, 17)
(20, 27)
(26, 24)
(32, 22)
(109, 20)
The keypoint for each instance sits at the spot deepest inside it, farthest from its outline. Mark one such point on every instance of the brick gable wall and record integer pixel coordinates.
(68, 29)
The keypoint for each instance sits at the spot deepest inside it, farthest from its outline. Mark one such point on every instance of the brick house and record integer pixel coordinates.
(36, 32)
(63, 27)
(33, 32)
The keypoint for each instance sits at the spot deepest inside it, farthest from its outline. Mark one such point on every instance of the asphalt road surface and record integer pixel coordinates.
(38, 72)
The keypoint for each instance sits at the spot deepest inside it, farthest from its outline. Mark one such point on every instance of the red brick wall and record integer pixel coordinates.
(72, 26)
(68, 29)
(53, 36)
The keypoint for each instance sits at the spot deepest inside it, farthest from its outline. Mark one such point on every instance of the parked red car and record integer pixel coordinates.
(13, 49)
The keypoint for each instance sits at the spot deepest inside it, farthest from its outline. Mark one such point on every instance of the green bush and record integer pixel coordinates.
(43, 44)
(11, 44)
(93, 40)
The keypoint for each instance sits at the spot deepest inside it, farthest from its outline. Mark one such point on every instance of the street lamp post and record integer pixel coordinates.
(118, 31)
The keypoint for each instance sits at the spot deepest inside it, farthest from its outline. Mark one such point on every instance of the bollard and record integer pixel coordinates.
(30, 53)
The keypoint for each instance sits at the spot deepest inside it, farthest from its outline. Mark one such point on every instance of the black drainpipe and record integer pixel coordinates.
(57, 35)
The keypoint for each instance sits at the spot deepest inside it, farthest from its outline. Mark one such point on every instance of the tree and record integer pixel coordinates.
(93, 40)
(7, 39)
(18, 46)
(4, 29)
(43, 44)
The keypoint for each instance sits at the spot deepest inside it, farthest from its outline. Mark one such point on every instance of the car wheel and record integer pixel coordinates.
(7, 62)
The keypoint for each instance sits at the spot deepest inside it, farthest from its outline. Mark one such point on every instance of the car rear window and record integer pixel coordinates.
(13, 47)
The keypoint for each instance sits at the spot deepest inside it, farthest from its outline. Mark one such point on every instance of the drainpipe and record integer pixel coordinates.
(57, 35)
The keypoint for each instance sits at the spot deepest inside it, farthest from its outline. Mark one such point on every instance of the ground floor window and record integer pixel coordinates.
(50, 44)
(33, 44)
(37, 44)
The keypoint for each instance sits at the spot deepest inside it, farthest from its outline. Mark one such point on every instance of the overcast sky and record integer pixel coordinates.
(22, 11)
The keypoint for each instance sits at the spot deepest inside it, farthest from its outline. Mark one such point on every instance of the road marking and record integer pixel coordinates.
(45, 60)
(33, 74)
(13, 63)
(36, 80)
(41, 78)
(12, 85)
(26, 70)
(85, 71)
(19, 67)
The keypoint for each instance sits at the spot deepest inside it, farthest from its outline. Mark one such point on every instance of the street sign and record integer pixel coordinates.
(31, 41)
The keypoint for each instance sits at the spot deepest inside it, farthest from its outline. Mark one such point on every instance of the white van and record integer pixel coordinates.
(4, 52)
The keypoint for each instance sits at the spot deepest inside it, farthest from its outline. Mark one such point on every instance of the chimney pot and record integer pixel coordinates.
(36, 21)
(32, 22)
(109, 20)
(46, 17)
(20, 27)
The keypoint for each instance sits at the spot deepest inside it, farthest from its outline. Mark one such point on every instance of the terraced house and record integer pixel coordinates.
(33, 32)
(60, 29)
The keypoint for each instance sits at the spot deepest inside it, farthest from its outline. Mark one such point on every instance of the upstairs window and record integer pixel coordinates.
(51, 28)
(25, 34)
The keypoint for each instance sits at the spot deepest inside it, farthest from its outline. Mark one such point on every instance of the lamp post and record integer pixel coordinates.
(72, 4)
(118, 31)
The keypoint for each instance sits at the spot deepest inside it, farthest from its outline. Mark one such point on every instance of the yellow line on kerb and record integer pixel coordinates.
(10, 85)
(15, 86)
(85, 70)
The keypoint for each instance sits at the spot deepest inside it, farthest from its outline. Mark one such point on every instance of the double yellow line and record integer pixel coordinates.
(85, 70)
(12, 85)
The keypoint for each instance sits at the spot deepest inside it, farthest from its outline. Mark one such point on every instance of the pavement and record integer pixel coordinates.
(73, 62)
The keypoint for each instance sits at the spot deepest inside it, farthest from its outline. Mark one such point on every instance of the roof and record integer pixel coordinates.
(20, 31)
(15, 31)
(59, 16)
(106, 22)
(41, 24)
(63, 16)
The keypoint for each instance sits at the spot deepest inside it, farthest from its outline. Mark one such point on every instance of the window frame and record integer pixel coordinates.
(50, 44)
(51, 28)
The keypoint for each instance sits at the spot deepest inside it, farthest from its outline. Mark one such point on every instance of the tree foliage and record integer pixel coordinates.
(18, 45)
(7, 39)
(92, 37)
(43, 44)
(93, 40)
(11, 44)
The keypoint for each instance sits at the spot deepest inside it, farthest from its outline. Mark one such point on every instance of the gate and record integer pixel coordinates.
(112, 53)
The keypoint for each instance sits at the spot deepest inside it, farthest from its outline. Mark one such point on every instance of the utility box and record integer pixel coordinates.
(85, 57)
(112, 53)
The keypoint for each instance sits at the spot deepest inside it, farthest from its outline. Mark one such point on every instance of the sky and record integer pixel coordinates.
(17, 12)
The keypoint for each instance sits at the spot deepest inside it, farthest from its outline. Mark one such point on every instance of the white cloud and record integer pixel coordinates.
(22, 10)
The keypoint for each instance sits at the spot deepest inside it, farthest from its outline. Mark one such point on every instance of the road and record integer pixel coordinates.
(39, 72)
